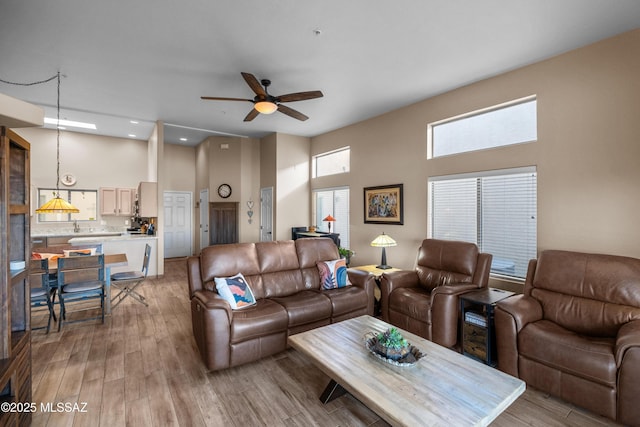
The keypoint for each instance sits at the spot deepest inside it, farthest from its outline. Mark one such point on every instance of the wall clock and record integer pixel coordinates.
(68, 179)
(224, 190)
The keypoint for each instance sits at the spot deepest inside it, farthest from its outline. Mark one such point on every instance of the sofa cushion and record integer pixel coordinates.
(236, 291)
(586, 357)
(277, 256)
(346, 300)
(305, 307)
(227, 260)
(310, 251)
(262, 319)
(441, 262)
(279, 268)
(413, 302)
(333, 274)
(587, 293)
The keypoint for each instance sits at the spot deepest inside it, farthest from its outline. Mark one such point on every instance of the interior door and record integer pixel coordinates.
(223, 217)
(204, 218)
(178, 227)
(266, 214)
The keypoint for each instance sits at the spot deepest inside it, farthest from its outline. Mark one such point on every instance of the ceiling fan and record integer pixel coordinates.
(265, 103)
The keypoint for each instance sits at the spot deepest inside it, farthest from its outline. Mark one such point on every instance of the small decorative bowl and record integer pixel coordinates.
(410, 359)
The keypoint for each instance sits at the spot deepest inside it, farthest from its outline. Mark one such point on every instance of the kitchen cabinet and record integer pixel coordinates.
(116, 201)
(148, 200)
(15, 304)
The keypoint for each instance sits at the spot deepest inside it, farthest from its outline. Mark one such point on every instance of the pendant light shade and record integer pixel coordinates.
(57, 204)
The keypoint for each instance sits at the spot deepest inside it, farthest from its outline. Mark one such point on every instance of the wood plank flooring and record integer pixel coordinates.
(142, 368)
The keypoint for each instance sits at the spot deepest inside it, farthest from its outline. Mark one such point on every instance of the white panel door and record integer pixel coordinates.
(177, 224)
(266, 214)
(204, 218)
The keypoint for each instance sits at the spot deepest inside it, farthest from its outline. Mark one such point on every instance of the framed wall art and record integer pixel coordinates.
(384, 205)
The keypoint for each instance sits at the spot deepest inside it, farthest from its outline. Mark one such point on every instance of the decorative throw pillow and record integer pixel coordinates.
(236, 291)
(333, 274)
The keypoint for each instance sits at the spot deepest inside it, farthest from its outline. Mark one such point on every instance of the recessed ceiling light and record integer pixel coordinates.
(70, 123)
(183, 139)
(132, 135)
(135, 122)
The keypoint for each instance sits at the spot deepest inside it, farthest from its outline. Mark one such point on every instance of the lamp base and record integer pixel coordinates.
(383, 267)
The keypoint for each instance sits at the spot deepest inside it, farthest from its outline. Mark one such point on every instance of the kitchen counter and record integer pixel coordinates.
(131, 244)
(62, 233)
(108, 238)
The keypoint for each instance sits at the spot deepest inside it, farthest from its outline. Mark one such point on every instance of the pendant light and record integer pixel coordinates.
(57, 204)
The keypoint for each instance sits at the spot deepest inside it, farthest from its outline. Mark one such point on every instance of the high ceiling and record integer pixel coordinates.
(150, 60)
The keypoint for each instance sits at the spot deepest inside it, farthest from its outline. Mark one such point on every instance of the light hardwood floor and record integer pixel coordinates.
(142, 368)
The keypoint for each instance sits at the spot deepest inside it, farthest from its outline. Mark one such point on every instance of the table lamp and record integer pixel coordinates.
(329, 220)
(383, 241)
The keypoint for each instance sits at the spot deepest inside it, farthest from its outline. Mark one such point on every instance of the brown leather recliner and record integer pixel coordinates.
(575, 332)
(425, 301)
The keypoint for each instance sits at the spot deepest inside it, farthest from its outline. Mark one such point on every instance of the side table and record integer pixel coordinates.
(377, 272)
(478, 331)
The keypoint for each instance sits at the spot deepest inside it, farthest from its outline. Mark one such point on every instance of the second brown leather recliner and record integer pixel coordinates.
(425, 301)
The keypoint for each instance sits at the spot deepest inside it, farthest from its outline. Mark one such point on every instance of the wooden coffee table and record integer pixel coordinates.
(443, 388)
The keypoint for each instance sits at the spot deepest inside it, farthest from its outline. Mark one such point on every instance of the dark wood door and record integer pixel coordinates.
(223, 222)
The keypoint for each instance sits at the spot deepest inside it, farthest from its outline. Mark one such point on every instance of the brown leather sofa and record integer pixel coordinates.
(285, 281)
(425, 301)
(575, 332)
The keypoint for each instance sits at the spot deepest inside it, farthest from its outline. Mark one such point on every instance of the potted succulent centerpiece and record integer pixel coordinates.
(391, 344)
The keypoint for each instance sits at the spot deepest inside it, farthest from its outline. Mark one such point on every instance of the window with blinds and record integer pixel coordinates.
(334, 202)
(496, 210)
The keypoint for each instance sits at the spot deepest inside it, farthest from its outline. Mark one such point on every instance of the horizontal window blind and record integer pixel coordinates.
(497, 211)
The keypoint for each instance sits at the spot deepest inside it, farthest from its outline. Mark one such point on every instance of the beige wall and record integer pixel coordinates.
(268, 171)
(234, 161)
(179, 173)
(250, 189)
(292, 196)
(96, 161)
(587, 154)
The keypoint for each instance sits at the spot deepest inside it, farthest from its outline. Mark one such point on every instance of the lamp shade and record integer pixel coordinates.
(383, 241)
(57, 205)
(265, 107)
(329, 218)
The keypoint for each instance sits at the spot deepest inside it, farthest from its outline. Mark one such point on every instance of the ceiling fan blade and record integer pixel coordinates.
(252, 115)
(292, 113)
(217, 98)
(254, 84)
(300, 96)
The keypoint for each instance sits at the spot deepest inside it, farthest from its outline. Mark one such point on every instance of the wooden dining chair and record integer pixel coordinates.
(80, 279)
(126, 282)
(43, 289)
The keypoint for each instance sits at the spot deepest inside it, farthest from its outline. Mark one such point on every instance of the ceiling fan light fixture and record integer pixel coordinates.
(266, 107)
